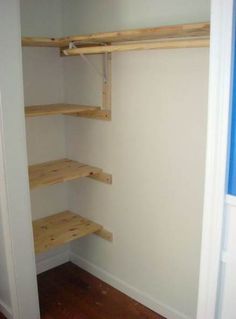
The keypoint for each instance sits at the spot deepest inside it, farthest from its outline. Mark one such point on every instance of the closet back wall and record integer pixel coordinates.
(155, 149)
(110, 15)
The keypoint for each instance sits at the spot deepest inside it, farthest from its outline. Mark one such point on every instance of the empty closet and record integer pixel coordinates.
(116, 106)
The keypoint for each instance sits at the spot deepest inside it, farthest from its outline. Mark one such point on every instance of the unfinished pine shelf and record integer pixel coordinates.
(175, 36)
(67, 109)
(55, 109)
(64, 227)
(60, 171)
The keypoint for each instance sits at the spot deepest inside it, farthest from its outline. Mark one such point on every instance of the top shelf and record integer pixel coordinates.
(197, 33)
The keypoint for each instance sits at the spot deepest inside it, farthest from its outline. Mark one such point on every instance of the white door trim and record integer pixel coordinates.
(14, 184)
(7, 238)
(217, 148)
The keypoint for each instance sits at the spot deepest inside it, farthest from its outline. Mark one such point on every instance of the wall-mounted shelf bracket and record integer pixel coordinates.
(106, 75)
(107, 87)
(94, 68)
(103, 74)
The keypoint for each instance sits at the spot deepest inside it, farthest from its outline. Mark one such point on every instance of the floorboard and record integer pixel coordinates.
(68, 292)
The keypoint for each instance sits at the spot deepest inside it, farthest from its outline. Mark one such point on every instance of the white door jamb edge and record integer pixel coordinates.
(4, 309)
(6, 224)
(217, 153)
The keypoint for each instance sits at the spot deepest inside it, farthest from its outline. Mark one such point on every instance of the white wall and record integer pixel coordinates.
(14, 200)
(81, 16)
(154, 147)
(41, 18)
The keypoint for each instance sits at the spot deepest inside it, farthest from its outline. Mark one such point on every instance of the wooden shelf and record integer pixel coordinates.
(62, 228)
(164, 44)
(60, 171)
(176, 36)
(60, 108)
(92, 112)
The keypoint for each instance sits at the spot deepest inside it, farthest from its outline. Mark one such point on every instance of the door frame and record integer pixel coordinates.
(215, 182)
(218, 130)
(18, 248)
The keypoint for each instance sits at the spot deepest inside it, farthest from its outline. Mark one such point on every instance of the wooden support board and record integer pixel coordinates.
(163, 32)
(40, 42)
(60, 108)
(106, 91)
(59, 171)
(61, 228)
(103, 114)
(102, 177)
(92, 112)
(166, 44)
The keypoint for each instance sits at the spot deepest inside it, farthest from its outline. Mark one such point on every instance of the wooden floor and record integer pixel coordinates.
(68, 292)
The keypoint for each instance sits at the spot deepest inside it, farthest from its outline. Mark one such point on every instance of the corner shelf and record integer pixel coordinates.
(60, 171)
(174, 36)
(64, 227)
(94, 112)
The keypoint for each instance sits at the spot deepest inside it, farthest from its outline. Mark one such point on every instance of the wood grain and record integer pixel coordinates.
(104, 115)
(105, 234)
(102, 177)
(107, 85)
(163, 32)
(60, 108)
(167, 44)
(40, 42)
(68, 292)
(58, 171)
(61, 228)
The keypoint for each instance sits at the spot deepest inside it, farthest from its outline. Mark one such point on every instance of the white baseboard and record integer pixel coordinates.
(5, 310)
(143, 298)
(52, 261)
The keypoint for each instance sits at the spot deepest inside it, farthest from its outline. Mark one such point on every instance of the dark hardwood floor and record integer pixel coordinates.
(68, 292)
